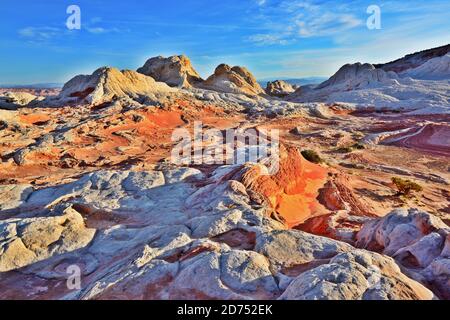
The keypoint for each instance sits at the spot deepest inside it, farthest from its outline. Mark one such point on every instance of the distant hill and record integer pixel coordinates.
(33, 86)
(414, 60)
(294, 81)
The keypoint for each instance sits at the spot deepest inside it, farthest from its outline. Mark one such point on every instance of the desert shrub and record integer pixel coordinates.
(312, 156)
(345, 149)
(348, 149)
(405, 187)
(358, 146)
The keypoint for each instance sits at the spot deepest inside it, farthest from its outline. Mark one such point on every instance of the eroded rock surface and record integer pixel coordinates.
(176, 71)
(417, 240)
(88, 184)
(358, 275)
(13, 100)
(159, 236)
(279, 88)
(26, 241)
(107, 83)
(233, 80)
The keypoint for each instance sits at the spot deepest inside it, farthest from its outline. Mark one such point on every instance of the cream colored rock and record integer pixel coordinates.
(176, 71)
(290, 250)
(233, 80)
(417, 240)
(13, 196)
(279, 88)
(107, 83)
(357, 275)
(13, 100)
(26, 241)
(397, 230)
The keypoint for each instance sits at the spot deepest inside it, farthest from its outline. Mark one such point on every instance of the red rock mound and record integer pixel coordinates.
(292, 192)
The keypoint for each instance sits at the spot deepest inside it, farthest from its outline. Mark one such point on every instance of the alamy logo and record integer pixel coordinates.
(74, 277)
(227, 147)
(74, 20)
(374, 20)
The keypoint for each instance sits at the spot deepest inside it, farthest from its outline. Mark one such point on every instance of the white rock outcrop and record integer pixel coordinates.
(26, 241)
(160, 235)
(14, 100)
(434, 69)
(419, 242)
(107, 83)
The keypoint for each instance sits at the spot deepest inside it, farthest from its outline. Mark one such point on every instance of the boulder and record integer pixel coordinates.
(14, 100)
(233, 80)
(279, 88)
(397, 230)
(176, 71)
(26, 241)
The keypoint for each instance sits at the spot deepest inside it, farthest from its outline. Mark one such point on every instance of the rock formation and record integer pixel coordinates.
(212, 242)
(26, 241)
(414, 60)
(419, 241)
(366, 86)
(279, 88)
(358, 76)
(107, 83)
(91, 184)
(14, 100)
(292, 190)
(176, 71)
(233, 80)
(434, 69)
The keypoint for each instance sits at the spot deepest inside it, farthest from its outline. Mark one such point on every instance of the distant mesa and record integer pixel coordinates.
(176, 71)
(236, 80)
(279, 88)
(106, 83)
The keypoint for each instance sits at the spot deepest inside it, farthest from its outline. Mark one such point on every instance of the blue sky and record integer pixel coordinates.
(273, 38)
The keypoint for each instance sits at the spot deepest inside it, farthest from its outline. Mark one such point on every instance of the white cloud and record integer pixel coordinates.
(268, 39)
(291, 20)
(39, 33)
(96, 30)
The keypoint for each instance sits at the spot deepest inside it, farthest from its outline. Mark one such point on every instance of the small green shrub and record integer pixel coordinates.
(358, 146)
(345, 149)
(348, 149)
(405, 187)
(312, 156)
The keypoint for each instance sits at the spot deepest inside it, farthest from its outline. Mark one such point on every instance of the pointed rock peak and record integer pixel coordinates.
(176, 71)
